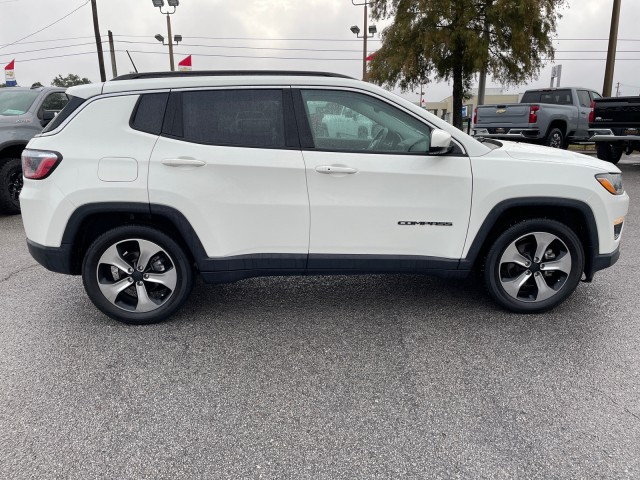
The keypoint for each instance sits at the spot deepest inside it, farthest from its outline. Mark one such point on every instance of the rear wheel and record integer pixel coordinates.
(555, 139)
(136, 274)
(534, 266)
(10, 185)
(608, 152)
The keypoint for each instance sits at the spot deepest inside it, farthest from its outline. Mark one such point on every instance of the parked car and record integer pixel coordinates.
(23, 114)
(554, 117)
(615, 127)
(144, 183)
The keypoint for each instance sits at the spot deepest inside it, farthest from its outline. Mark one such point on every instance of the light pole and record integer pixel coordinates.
(174, 4)
(372, 31)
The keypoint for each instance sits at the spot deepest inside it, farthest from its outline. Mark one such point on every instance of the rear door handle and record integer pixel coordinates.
(183, 162)
(331, 169)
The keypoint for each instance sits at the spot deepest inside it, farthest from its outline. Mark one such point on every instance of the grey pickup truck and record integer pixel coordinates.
(615, 127)
(554, 117)
(24, 112)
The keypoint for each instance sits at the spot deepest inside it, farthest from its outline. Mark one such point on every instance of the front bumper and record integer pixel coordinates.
(600, 262)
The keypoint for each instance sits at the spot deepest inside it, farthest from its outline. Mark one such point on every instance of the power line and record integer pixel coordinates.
(262, 39)
(44, 28)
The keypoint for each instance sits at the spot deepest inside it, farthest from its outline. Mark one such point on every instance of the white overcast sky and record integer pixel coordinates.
(262, 28)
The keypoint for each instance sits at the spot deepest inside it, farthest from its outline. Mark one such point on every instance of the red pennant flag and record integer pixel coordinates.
(185, 65)
(370, 57)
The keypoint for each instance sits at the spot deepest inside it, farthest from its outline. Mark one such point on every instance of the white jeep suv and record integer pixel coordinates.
(145, 180)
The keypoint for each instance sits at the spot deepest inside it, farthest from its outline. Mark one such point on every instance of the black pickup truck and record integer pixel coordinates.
(614, 125)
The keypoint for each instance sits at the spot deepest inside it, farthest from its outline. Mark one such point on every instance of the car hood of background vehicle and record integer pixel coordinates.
(538, 153)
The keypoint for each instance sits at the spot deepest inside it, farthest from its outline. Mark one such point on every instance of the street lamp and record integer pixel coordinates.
(176, 39)
(172, 3)
(356, 31)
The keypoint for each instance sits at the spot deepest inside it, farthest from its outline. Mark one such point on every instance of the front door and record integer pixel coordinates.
(378, 201)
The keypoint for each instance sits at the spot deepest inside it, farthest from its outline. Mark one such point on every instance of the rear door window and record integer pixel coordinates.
(584, 98)
(243, 118)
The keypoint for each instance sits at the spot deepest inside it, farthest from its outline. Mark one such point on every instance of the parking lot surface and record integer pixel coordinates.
(322, 378)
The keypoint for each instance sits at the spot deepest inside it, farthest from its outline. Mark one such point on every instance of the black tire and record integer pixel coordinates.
(555, 139)
(11, 181)
(169, 264)
(564, 252)
(608, 152)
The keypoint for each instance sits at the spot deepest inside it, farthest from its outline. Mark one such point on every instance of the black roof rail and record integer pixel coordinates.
(227, 73)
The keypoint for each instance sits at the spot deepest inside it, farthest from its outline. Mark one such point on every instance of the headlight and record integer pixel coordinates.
(612, 182)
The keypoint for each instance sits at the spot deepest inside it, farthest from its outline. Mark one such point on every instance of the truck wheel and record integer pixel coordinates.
(534, 266)
(137, 274)
(10, 185)
(608, 152)
(555, 139)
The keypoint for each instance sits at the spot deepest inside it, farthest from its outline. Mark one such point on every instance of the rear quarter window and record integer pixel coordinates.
(149, 113)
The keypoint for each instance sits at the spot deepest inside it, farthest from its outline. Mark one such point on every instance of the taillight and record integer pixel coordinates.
(533, 113)
(592, 113)
(475, 115)
(38, 164)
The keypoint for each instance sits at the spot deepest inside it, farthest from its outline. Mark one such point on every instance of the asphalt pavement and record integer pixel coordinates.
(321, 378)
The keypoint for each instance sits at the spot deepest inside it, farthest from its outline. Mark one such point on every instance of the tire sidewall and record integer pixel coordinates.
(492, 264)
(550, 135)
(8, 166)
(181, 263)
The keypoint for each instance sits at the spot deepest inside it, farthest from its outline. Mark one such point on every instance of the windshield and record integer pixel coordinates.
(16, 102)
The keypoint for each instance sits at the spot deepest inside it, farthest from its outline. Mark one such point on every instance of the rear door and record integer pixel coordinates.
(230, 163)
(584, 109)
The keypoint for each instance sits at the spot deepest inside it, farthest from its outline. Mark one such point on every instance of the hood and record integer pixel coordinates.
(538, 153)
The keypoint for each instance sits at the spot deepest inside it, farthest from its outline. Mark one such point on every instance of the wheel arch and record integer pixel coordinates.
(90, 221)
(576, 214)
(11, 150)
(557, 123)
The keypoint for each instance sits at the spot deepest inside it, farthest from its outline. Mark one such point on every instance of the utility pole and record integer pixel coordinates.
(611, 53)
(364, 49)
(114, 69)
(618, 89)
(170, 39)
(96, 29)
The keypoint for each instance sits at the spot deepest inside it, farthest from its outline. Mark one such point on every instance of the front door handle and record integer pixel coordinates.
(333, 169)
(183, 162)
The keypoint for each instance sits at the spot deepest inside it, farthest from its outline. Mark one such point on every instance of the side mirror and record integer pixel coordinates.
(440, 142)
(47, 116)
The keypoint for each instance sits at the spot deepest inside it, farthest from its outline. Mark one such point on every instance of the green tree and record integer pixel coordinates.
(69, 81)
(37, 84)
(453, 39)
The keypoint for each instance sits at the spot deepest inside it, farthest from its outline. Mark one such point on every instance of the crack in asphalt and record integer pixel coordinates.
(13, 274)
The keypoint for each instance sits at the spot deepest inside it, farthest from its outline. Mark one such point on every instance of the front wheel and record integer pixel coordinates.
(137, 275)
(10, 185)
(534, 266)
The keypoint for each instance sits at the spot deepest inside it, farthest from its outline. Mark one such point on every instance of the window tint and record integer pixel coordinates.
(55, 101)
(69, 108)
(244, 118)
(353, 122)
(555, 97)
(584, 98)
(149, 112)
